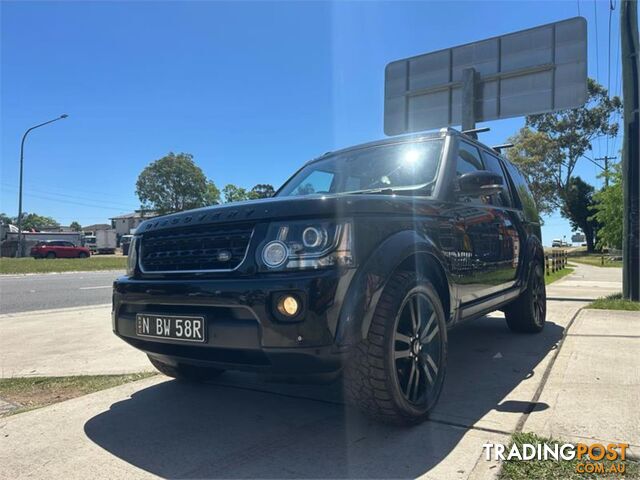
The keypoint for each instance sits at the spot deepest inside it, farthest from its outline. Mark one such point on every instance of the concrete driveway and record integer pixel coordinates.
(243, 426)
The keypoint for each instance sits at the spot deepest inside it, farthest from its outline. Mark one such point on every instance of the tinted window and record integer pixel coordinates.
(468, 159)
(527, 203)
(493, 164)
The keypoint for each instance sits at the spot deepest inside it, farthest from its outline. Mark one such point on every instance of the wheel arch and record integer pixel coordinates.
(401, 251)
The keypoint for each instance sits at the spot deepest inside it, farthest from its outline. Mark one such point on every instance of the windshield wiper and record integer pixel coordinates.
(386, 191)
(391, 191)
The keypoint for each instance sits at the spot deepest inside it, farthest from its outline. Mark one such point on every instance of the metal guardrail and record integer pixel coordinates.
(554, 261)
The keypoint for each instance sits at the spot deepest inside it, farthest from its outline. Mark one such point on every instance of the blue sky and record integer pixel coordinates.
(252, 90)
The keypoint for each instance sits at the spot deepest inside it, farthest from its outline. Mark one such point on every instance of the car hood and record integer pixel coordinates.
(321, 206)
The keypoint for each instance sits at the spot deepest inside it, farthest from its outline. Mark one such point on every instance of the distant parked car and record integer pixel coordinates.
(59, 249)
(556, 243)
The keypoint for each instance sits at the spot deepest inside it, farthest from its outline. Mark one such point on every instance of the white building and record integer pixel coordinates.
(124, 224)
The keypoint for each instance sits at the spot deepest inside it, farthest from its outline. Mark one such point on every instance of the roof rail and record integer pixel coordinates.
(499, 148)
(473, 132)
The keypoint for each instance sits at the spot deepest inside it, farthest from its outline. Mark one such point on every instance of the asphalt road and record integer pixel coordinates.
(25, 293)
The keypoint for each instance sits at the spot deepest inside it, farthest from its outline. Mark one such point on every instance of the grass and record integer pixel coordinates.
(557, 275)
(35, 392)
(596, 261)
(615, 302)
(31, 265)
(557, 470)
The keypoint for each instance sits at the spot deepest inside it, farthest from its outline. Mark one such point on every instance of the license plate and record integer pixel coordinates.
(184, 328)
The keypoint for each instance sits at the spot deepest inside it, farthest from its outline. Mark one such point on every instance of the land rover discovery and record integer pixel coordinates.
(359, 264)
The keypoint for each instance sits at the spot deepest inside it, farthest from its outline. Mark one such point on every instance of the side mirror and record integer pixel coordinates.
(479, 183)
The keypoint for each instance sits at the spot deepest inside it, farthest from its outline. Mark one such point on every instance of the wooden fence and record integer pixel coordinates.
(554, 261)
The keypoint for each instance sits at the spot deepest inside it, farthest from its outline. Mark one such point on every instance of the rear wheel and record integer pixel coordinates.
(51, 255)
(396, 374)
(190, 373)
(528, 313)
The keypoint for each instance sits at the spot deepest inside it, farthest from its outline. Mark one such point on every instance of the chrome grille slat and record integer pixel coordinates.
(194, 249)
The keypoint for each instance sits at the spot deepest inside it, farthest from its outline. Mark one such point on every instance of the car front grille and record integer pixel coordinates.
(196, 249)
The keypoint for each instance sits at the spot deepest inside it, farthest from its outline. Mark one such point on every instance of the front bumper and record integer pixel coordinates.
(243, 333)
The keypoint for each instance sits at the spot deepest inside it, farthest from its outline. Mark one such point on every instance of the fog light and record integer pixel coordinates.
(288, 305)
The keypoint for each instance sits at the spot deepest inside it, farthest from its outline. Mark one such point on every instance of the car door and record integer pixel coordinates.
(485, 244)
(511, 233)
(65, 249)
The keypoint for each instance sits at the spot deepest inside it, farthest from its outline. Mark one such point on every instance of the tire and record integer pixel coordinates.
(82, 255)
(527, 314)
(50, 255)
(188, 373)
(387, 376)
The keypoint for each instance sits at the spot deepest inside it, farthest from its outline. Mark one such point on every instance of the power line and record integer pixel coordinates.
(597, 47)
(70, 202)
(76, 197)
(611, 8)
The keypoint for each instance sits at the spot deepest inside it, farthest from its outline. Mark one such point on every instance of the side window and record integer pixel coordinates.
(493, 164)
(468, 159)
(317, 182)
(527, 203)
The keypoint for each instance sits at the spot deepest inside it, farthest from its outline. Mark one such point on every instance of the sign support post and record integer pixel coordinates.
(469, 100)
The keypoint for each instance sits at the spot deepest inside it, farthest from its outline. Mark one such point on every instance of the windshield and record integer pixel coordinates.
(396, 167)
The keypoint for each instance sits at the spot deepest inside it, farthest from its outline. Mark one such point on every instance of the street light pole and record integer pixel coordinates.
(19, 250)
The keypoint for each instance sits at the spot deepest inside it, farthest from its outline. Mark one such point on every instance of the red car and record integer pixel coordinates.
(59, 249)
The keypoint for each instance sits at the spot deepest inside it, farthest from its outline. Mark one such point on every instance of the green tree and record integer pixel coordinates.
(174, 183)
(33, 221)
(233, 193)
(609, 210)
(538, 158)
(212, 197)
(557, 141)
(577, 208)
(75, 226)
(262, 190)
(573, 131)
(5, 219)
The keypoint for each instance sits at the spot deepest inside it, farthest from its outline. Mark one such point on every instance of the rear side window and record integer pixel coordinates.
(527, 203)
(493, 164)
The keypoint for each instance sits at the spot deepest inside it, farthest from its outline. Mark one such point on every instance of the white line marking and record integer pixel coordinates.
(94, 288)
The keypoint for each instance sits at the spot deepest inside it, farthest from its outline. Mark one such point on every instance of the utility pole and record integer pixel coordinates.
(631, 149)
(606, 159)
(20, 249)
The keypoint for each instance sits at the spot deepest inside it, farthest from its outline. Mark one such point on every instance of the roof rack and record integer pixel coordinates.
(473, 132)
(499, 148)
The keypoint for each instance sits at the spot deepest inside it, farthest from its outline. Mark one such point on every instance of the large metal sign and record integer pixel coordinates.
(532, 71)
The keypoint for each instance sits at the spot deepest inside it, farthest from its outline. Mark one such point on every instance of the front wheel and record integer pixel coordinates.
(189, 373)
(82, 255)
(396, 374)
(527, 314)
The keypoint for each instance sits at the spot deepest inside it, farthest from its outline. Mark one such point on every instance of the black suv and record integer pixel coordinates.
(360, 263)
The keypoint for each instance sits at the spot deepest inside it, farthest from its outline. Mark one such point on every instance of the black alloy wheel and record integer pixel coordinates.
(417, 349)
(527, 314)
(397, 372)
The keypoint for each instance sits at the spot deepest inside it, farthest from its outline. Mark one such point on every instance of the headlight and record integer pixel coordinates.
(132, 258)
(306, 244)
